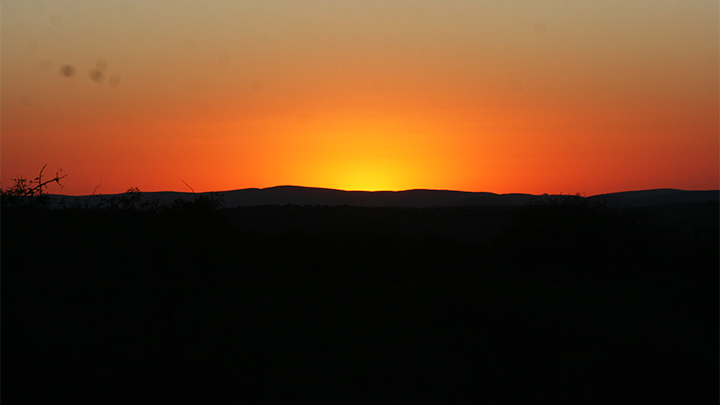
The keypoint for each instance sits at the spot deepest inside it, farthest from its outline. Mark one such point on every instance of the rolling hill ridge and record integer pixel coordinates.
(419, 198)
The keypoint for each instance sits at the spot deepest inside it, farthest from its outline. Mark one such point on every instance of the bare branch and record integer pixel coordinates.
(193, 191)
(42, 184)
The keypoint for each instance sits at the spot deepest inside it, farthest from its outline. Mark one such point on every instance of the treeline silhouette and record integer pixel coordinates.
(565, 301)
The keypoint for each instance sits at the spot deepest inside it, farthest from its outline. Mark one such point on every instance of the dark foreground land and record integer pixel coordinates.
(564, 301)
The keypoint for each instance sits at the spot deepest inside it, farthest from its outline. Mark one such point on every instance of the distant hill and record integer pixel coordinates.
(658, 196)
(410, 198)
(294, 195)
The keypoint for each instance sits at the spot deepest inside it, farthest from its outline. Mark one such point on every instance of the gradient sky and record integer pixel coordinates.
(589, 96)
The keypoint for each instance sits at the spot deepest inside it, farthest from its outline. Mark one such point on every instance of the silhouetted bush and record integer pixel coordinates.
(573, 238)
(28, 193)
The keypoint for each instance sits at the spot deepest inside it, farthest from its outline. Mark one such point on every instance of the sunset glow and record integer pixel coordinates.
(591, 96)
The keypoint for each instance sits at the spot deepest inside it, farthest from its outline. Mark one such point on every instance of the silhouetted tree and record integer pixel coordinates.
(29, 192)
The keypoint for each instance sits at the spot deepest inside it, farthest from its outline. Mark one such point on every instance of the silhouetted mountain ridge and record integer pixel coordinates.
(419, 198)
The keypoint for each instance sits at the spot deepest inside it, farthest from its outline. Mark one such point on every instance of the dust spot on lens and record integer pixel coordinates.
(97, 76)
(256, 85)
(114, 80)
(224, 59)
(45, 65)
(33, 44)
(101, 65)
(67, 70)
(123, 7)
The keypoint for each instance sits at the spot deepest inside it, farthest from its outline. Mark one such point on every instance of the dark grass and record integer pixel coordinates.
(560, 302)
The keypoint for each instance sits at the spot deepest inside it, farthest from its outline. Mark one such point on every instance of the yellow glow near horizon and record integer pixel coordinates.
(369, 175)
(351, 152)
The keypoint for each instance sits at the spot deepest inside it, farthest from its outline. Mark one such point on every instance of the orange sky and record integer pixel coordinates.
(506, 96)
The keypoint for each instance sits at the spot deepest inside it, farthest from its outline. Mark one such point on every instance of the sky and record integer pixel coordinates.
(503, 96)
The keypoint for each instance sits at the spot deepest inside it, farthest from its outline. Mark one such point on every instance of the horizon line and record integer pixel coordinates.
(386, 191)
